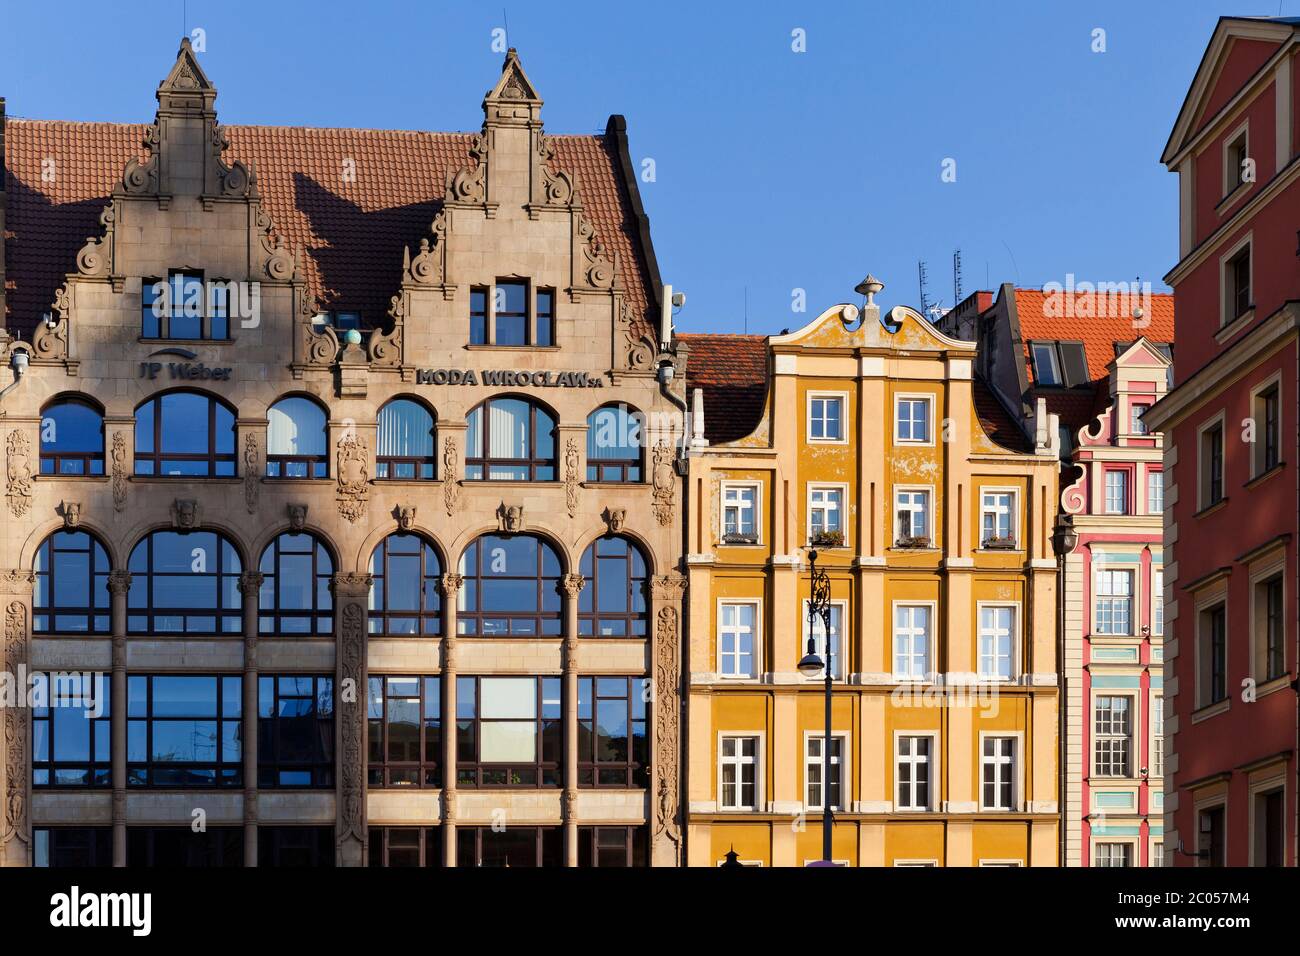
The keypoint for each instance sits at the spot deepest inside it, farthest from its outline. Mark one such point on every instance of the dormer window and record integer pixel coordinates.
(339, 321)
(511, 313)
(1060, 364)
(184, 306)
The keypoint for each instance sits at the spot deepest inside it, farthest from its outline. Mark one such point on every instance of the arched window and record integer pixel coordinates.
(613, 602)
(510, 588)
(72, 438)
(184, 584)
(404, 448)
(614, 438)
(185, 434)
(71, 585)
(295, 597)
(405, 594)
(295, 439)
(510, 439)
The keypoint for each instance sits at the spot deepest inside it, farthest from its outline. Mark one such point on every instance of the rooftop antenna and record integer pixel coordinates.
(746, 310)
(506, 22)
(920, 277)
(956, 277)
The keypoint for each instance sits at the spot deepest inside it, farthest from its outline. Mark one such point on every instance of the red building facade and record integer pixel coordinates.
(1231, 456)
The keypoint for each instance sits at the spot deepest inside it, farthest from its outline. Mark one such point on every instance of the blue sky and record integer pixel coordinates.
(774, 170)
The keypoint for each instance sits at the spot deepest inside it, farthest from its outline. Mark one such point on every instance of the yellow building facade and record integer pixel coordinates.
(870, 441)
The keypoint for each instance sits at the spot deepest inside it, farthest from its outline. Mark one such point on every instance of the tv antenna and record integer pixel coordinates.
(920, 280)
(956, 277)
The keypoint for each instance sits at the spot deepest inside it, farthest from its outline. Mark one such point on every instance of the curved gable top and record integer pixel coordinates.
(845, 326)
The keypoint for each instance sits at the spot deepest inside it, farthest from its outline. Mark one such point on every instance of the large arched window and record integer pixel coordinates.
(185, 434)
(184, 584)
(510, 588)
(71, 585)
(295, 597)
(72, 438)
(405, 590)
(510, 439)
(404, 448)
(613, 602)
(614, 438)
(295, 439)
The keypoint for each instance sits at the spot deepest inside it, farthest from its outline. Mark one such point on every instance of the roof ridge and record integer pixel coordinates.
(10, 118)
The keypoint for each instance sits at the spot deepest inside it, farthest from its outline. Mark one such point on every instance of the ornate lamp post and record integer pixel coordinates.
(819, 606)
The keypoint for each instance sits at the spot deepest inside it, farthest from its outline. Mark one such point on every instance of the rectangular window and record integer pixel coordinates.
(405, 846)
(738, 760)
(912, 642)
(1157, 735)
(913, 772)
(613, 846)
(61, 847)
(997, 519)
(825, 516)
(184, 731)
(997, 641)
(1155, 492)
(1268, 430)
(818, 633)
(1236, 280)
(1047, 368)
(1270, 828)
(613, 740)
(1210, 827)
(1112, 854)
(814, 767)
(545, 318)
(71, 739)
(184, 306)
(182, 847)
(404, 723)
(1114, 613)
(913, 511)
(740, 514)
(478, 315)
(1235, 154)
(295, 846)
(1116, 492)
(1212, 465)
(737, 639)
(1136, 426)
(997, 773)
(295, 731)
(1213, 654)
(1157, 854)
(912, 420)
(1157, 601)
(1112, 736)
(1271, 625)
(509, 732)
(511, 846)
(510, 315)
(826, 419)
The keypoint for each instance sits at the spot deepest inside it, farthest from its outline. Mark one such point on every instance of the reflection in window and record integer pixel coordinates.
(405, 846)
(182, 847)
(184, 584)
(613, 746)
(71, 744)
(183, 731)
(509, 732)
(513, 846)
(404, 715)
(72, 846)
(510, 587)
(510, 439)
(183, 306)
(295, 439)
(71, 595)
(295, 597)
(72, 439)
(404, 448)
(295, 731)
(613, 846)
(405, 588)
(614, 436)
(613, 603)
(295, 846)
(185, 434)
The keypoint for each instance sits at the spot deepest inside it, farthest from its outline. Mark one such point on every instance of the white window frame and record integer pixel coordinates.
(1202, 466)
(1156, 851)
(1109, 842)
(1100, 570)
(1011, 864)
(843, 399)
(1017, 769)
(927, 674)
(825, 486)
(1013, 512)
(1257, 451)
(1136, 426)
(1050, 348)
(1157, 600)
(1212, 598)
(844, 763)
(1015, 607)
(929, 399)
(757, 605)
(1156, 721)
(837, 672)
(1268, 566)
(932, 766)
(1132, 768)
(1225, 319)
(928, 492)
(1106, 475)
(1232, 180)
(756, 507)
(1217, 802)
(760, 743)
(916, 863)
(1158, 475)
(1254, 790)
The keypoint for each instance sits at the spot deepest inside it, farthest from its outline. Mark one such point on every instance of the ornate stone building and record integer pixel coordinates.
(348, 456)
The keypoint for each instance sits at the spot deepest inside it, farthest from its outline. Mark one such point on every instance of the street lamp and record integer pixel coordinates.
(819, 606)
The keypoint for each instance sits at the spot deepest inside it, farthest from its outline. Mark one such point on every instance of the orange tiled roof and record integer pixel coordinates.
(731, 370)
(350, 235)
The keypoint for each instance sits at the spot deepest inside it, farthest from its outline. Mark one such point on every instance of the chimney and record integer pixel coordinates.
(697, 420)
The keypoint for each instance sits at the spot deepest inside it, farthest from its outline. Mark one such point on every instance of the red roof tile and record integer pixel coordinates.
(996, 421)
(350, 235)
(731, 370)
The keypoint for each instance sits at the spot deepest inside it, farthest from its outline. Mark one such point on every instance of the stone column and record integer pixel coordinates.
(450, 585)
(573, 584)
(351, 595)
(15, 741)
(119, 586)
(666, 737)
(250, 586)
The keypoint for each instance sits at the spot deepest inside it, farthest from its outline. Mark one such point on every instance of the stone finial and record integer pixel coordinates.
(513, 101)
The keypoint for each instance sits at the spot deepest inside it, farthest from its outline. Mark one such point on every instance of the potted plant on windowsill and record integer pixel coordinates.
(735, 537)
(827, 539)
(995, 543)
(912, 541)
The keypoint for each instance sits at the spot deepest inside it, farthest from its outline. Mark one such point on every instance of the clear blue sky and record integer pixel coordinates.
(774, 170)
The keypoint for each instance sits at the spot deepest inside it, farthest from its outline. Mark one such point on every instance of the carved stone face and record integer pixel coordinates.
(297, 517)
(406, 517)
(185, 513)
(511, 517)
(615, 518)
(71, 514)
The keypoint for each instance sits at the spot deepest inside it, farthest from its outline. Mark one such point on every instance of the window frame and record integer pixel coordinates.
(1156, 475)
(46, 616)
(740, 538)
(914, 541)
(1120, 749)
(139, 773)
(427, 773)
(928, 674)
(1211, 487)
(1125, 491)
(1211, 661)
(213, 458)
(1049, 348)
(533, 463)
(1129, 848)
(1114, 601)
(824, 487)
(1266, 453)
(759, 739)
(430, 622)
(97, 770)
(1013, 663)
(842, 399)
(428, 846)
(210, 311)
(1013, 518)
(1231, 294)
(838, 657)
(634, 771)
(1232, 158)
(422, 468)
(270, 764)
(317, 466)
(842, 762)
(627, 469)
(591, 617)
(473, 774)
(227, 621)
(755, 637)
(1156, 723)
(91, 462)
(930, 401)
(932, 766)
(270, 616)
(546, 624)
(1015, 761)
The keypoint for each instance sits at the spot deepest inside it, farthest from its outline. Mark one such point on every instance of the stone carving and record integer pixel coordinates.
(640, 347)
(450, 468)
(17, 581)
(570, 805)
(353, 477)
(71, 512)
(573, 583)
(667, 679)
(118, 454)
(597, 271)
(405, 515)
(352, 648)
(251, 480)
(385, 348)
(664, 482)
(96, 256)
(119, 581)
(448, 806)
(50, 339)
(297, 517)
(250, 807)
(510, 518)
(615, 518)
(185, 514)
(571, 476)
(141, 179)
(450, 584)
(668, 587)
(556, 185)
(16, 733)
(235, 179)
(429, 267)
(319, 344)
(18, 471)
(469, 185)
